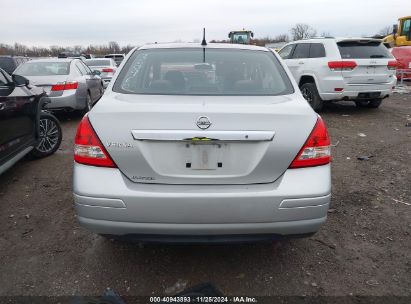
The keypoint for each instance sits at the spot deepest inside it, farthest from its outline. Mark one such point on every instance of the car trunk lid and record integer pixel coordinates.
(159, 139)
(46, 82)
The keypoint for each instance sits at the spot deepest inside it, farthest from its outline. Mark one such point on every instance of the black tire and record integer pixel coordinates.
(50, 136)
(310, 93)
(373, 104)
(88, 105)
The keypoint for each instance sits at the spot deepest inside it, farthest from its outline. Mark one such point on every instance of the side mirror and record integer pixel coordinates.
(20, 81)
(252, 35)
(95, 72)
(395, 29)
(229, 35)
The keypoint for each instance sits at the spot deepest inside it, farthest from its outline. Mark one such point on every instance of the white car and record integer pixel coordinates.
(332, 69)
(202, 143)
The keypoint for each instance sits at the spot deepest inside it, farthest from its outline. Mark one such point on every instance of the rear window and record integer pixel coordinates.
(7, 64)
(198, 71)
(43, 68)
(98, 62)
(362, 50)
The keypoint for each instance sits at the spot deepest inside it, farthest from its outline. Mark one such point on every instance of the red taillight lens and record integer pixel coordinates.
(107, 70)
(88, 149)
(316, 150)
(392, 64)
(62, 86)
(342, 65)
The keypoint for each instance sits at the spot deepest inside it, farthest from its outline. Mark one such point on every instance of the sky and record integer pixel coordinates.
(135, 22)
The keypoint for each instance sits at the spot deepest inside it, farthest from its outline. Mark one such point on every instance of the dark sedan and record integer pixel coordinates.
(24, 127)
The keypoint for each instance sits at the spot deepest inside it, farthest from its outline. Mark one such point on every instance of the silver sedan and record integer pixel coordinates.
(193, 143)
(70, 84)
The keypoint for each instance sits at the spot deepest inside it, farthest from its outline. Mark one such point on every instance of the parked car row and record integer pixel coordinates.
(35, 85)
(199, 142)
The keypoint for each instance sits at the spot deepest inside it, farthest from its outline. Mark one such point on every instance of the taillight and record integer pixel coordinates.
(392, 64)
(62, 86)
(342, 65)
(316, 150)
(88, 149)
(107, 70)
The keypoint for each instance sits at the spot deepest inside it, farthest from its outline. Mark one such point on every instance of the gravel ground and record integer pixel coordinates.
(363, 249)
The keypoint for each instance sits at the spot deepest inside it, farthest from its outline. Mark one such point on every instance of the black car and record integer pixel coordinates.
(10, 63)
(24, 127)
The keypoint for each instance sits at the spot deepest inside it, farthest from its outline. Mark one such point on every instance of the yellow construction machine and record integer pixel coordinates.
(401, 34)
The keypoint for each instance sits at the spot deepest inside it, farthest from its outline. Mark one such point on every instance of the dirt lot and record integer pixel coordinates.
(364, 248)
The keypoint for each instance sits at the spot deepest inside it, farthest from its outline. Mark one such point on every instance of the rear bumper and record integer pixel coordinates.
(69, 100)
(197, 233)
(108, 203)
(351, 92)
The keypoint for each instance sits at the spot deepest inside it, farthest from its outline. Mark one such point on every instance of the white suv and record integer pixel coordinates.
(331, 69)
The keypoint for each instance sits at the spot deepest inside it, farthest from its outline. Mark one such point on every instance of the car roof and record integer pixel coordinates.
(199, 46)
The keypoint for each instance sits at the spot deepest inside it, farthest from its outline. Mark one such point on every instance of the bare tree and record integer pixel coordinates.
(113, 47)
(302, 31)
(34, 51)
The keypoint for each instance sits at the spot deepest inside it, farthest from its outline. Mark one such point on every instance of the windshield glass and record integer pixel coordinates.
(98, 62)
(361, 50)
(197, 71)
(241, 38)
(43, 68)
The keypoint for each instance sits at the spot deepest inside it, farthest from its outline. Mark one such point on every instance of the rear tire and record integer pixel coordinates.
(50, 136)
(89, 104)
(310, 93)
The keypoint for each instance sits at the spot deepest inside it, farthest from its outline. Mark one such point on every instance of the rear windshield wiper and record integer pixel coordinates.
(377, 56)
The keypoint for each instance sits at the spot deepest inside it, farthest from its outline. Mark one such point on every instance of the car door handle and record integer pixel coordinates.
(2, 106)
(301, 62)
